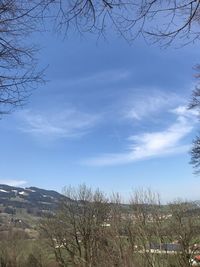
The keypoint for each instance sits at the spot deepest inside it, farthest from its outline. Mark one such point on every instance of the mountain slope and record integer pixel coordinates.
(29, 198)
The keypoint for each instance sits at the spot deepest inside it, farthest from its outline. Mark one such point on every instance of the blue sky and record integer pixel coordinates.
(111, 115)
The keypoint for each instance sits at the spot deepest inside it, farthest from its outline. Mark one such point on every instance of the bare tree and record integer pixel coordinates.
(195, 105)
(163, 20)
(147, 221)
(184, 230)
(18, 65)
(117, 250)
(195, 155)
(75, 233)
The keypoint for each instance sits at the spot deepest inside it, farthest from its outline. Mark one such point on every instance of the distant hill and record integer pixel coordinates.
(36, 201)
(32, 199)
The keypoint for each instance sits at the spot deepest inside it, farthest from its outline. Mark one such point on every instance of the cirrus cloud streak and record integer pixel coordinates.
(66, 123)
(153, 144)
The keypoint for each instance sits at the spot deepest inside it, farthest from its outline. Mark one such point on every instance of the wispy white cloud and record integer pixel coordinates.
(144, 104)
(100, 77)
(153, 144)
(103, 76)
(12, 182)
(66, 123)
(184, 111)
